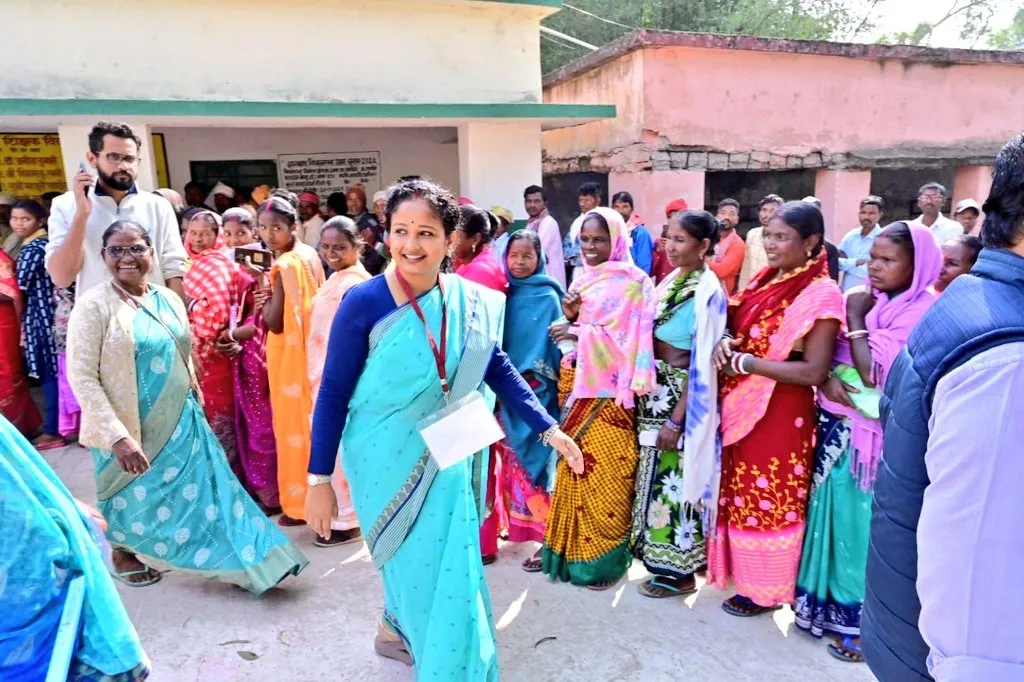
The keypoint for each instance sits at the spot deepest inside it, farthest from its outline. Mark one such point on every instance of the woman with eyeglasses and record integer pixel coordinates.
(163, 481)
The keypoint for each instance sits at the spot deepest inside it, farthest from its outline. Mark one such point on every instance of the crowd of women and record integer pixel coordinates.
(737, 437)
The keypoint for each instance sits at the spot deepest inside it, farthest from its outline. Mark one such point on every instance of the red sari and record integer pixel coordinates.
(768, 432)
(214, 285)
(15, 400)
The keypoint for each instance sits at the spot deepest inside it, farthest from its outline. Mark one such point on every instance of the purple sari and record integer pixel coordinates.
(254, 426)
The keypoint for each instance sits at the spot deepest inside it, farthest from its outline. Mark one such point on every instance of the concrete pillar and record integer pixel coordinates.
(497, 161)
(74, 143)
(840, 192)
(652, 190)
(972, 182)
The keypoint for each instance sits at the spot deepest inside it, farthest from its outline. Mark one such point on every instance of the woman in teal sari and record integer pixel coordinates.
(163, 481)
(396, 342)
(534, 302)
(53, 569)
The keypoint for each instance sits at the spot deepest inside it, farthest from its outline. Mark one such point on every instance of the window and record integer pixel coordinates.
(238, 174)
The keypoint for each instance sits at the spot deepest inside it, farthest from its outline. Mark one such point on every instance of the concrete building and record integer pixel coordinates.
(310, 93)
(707, 116)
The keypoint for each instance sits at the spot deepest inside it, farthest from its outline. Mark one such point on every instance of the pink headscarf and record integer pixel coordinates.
(889, 323)
(485, 269)
(615, 355)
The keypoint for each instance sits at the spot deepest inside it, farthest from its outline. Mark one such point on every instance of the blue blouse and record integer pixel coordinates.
(363, 306)
(37, 321)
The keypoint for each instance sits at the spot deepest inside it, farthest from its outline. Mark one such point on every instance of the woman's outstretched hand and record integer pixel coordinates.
(321, 507)
(567, 448)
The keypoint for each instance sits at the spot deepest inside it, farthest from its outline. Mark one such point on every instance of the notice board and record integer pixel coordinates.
(325, 173)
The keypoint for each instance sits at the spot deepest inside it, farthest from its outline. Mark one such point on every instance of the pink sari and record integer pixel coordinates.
(487, 270)
(325, 306)
(254, 423)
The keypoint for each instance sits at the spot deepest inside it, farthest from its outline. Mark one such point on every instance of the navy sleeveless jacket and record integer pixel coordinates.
(977, 312)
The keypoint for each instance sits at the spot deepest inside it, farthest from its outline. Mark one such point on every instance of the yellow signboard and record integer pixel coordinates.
(31, 164)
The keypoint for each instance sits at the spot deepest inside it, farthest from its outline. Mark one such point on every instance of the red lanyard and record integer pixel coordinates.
(439, 355)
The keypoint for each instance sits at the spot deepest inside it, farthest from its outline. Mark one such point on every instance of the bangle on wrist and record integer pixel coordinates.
(546, 437)
(857, 334)
(673, 426)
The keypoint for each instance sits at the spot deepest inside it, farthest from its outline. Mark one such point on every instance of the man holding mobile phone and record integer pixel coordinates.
(79, 217)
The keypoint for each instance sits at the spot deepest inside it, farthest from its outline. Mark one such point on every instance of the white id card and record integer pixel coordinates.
(650, 439)
(460, 430)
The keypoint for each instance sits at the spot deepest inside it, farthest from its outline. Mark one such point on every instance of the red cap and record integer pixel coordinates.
(465, 201)
(674, 206)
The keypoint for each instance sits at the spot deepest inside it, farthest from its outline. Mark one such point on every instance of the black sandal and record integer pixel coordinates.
(847, 652)
(742, 607)
(659, 588)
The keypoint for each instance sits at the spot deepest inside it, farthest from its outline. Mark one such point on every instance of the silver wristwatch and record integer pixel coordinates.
(317, 479)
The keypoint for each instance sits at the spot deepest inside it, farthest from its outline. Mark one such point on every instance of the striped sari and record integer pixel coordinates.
(422, 524)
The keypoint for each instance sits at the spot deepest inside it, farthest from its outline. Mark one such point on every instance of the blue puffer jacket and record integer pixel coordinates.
(978, 312)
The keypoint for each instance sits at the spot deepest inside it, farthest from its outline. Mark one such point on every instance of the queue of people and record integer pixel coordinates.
(703, 404)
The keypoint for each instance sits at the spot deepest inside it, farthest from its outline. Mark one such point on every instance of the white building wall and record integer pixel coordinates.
(403, 151)
(269, 50)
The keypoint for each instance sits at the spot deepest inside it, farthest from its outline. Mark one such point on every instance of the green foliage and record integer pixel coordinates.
(808, 19)
(846, 20)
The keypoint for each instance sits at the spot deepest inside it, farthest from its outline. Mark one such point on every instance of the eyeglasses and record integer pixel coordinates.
(134, 249)
(118, 159)
(931, 197)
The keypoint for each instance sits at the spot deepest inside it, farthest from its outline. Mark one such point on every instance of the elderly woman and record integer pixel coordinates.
(162, 479)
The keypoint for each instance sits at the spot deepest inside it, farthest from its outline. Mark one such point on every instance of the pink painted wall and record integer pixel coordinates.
(653, 190)
(619, 82)
(740, 100)
(840, 193)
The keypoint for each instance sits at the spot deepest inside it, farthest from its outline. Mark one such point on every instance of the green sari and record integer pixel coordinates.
(422, 524)
(188, 512)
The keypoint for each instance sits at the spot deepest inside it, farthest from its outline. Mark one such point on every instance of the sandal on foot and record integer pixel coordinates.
(848, 652)
(742, 607)
(287, 521)
(50, 445)
(395, 650)
(658, 588)
(602, 586)
(488, 559)
(154, 577)
(534, 564)
(339, 537)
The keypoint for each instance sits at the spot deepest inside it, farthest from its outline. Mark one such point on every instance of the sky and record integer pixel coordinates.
(905, 15)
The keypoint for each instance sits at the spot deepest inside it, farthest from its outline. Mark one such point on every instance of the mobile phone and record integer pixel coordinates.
(258, 258)
(84, 167)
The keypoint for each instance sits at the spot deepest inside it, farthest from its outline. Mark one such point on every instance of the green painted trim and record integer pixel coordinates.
(517, 225)
(140, 107)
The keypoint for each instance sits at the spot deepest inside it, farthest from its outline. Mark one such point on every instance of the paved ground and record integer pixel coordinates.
(320, 625)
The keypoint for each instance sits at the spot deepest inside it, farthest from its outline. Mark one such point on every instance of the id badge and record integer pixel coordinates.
(460, 430)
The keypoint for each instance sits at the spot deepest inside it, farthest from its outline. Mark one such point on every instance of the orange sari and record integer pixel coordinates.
(291, 396)
(15, 401)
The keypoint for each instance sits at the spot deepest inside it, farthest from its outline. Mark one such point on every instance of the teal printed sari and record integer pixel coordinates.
(188, 512)
(422, 524)
(48, 546)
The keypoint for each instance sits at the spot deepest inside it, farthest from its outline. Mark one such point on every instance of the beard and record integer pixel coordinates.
(116, 181)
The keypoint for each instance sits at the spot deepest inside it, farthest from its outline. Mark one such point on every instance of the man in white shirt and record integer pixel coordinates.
(855, 249)
(755, 258)
(547, 229)
(79, 218)
(310, 222)
(967, 213)
(930, 199)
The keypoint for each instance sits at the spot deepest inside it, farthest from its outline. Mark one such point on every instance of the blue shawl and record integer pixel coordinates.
(533, 303)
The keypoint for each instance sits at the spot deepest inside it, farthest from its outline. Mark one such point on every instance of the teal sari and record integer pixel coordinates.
(188, 512)
(49, 548)
(422, 524)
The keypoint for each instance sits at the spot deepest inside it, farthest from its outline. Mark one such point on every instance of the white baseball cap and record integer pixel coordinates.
(966, 204)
